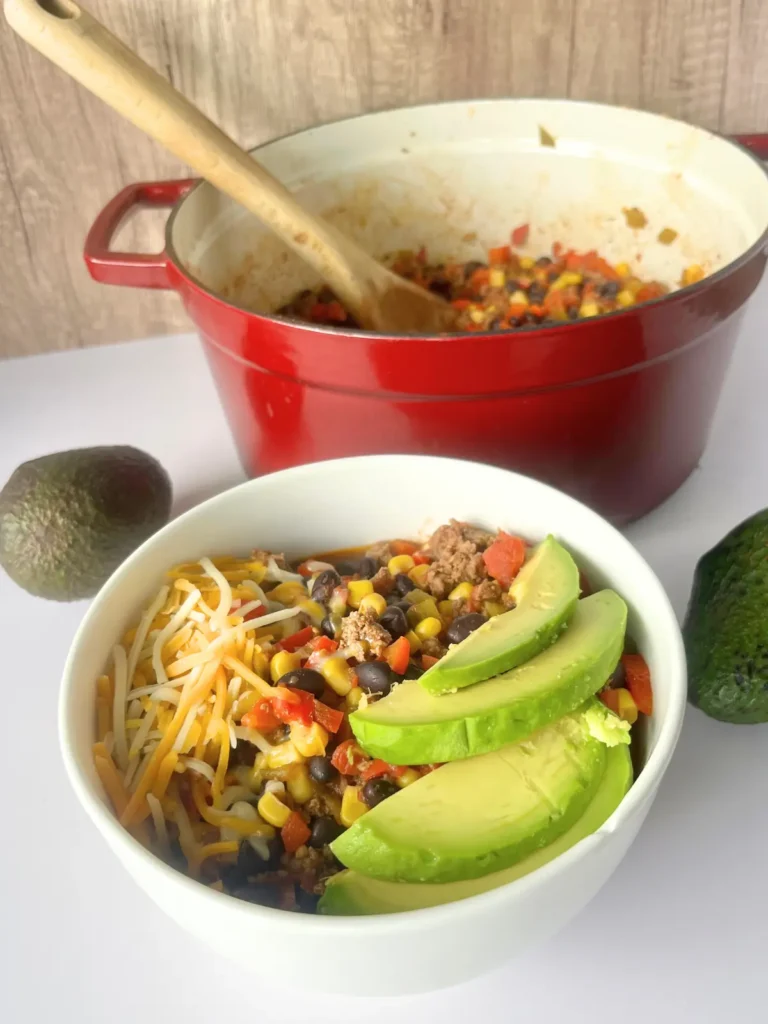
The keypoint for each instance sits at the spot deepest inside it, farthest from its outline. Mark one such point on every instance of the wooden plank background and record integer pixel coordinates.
(263, 67)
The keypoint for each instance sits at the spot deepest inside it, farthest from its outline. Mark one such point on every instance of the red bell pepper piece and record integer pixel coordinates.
(261, 717)
(398, 654)
(347, 758)
(504, 558)
(520, 234)
(329, 718)
(295, 833)
(638, 677)
(421, 558)
(374, 769)
(324, 643)
(297, 640)
(403, 547)
(500, 254)
(299, 707)
(427, 661)
(611, 700)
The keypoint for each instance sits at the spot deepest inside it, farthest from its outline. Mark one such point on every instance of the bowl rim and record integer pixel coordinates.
(342, 334)
(640, 793)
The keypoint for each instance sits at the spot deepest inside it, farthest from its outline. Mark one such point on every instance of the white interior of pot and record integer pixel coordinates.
(458, 177)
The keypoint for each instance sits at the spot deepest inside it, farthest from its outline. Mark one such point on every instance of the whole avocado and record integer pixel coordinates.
(725, 632)
(68, 520)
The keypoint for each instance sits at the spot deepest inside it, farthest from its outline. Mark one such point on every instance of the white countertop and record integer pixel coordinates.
(679, 933)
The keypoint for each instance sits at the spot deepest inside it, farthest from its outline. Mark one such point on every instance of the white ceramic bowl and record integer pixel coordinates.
(340, 504)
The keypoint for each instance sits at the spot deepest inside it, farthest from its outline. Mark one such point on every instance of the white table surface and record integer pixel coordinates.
(679, 933)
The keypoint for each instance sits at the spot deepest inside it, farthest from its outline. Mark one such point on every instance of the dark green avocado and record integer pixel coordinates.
(69, 519)
(725, 630)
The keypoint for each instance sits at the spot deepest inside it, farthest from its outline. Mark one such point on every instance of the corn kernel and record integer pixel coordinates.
(358, 589)
(446, 609)
(497, 278)
(429, 627)
(476, 315)
(309, 740)
(374, 603)
(589, 309)
(418, 574)
(527, 263)
(407, 777)
(625, 298)
(623, 269)
(461, 593)
(692, 274)
(260, 662)
(288, 593)
(400, 563)
(567, 278)
(272, 810)
(353, 698)
(299, 784)
(313, 609)
(283, 662)
(352, 807)
(283, 754)
(627, 706)
(413, 640)
(336, 673)
(415, 596)
(518, 298)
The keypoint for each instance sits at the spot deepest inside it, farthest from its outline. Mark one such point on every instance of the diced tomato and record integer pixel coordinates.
(500, 254)
(324, 643)
(374, 769)
(461, 304)
(254, 613)
(611, 700)
(398, 654)
(261, 717)
(304, 571)
(516, 311)
(319, 311)
(653, 290)
(297, 640)
(421, 558)
(639, 681)
(427, 661)
(336, 312)
(347, 758)
(299, 708)
(479, 278)
(295, 833)
(403, 547)
(520, 234)
(329, 718)
(504, 558)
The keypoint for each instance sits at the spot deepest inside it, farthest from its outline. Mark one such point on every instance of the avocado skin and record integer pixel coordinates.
(724, 629)
(67, 520)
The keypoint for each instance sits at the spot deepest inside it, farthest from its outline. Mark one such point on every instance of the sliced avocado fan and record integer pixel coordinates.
(352, 893)
(474, 817)
(411, 726)
(545, 592)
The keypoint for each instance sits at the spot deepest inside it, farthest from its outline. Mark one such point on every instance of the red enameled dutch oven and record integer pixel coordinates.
(615, 410)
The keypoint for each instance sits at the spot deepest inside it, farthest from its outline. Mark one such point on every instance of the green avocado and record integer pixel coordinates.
(352, 893)
(411, 726)
(545, 592)
(480, 815)
(69, 519)
(724, 629)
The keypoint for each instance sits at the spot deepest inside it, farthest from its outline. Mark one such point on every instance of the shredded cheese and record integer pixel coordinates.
(141, 633)
(254, 737)
(201, 767)
(225, 593)
(118, 706)
(158, 819)
(249, 676)
(167, 632)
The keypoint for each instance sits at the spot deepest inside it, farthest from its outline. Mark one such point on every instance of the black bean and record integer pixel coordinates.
(376, 790)
(259, 892)
(573, 312)
(303, 679)
(461, 627)
(375, 677)
(324, 830)
(321, 769)
(250, 863)
(495, 323)
(327, 627)
(306, 902)
(536, 294)
(347, 567)
(618, 677)
(404, 584)
(368, 568)
(471, 267)
(543, 261)
(609, 290)
(325, 295)
(441, 286)
(394, 621)
(323, 584)
(413, 671)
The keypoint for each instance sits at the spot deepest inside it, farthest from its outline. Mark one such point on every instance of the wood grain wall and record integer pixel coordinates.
(263, 67)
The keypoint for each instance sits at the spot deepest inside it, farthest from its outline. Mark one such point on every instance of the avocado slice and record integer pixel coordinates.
(545, 592)
(411, 726)
(477, 816)
(67, 520)
(724, 629)
(352, 893)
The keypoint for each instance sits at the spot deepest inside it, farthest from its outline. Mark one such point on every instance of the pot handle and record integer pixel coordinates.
(755, 143)
(134, 270)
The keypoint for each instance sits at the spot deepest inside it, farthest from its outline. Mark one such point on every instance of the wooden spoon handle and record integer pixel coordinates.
(73, 39)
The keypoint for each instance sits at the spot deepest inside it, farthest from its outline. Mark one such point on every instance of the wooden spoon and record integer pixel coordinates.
(75, 41)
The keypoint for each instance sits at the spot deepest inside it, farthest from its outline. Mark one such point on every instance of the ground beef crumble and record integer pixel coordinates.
(381, 552)
(362, 636)
(457, 549)
(383, 582)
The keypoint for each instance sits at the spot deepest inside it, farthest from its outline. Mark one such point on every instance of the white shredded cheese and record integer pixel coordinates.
(233, 793)
(225, 593)
(201, 767)
(118, 706)
(142, 732)
(254, 737)
(187, 840)
(260, 845)
(232, 736)
(274, 572)
(273, 786)
(167, 632)
(158, 819)
(256, 589)
(181, 739)
(166, 693)
(141, 633)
